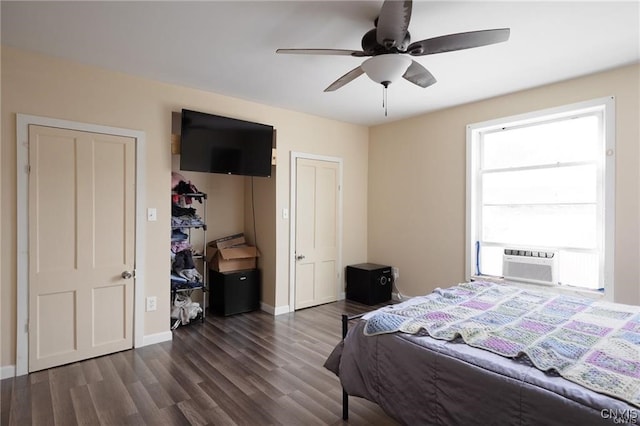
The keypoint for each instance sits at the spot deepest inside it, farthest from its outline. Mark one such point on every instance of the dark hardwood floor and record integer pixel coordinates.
(246, 369)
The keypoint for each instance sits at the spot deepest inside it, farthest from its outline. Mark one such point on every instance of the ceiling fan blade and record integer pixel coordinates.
(347, 78)
(393, 22)
(341, 52)
(419, 75)
(451, 42)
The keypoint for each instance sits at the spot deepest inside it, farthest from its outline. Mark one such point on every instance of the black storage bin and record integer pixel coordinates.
(234, 292)
(369, 283)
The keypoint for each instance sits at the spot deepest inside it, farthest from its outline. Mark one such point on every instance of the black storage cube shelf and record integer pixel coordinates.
(234, 292)
(369, 283)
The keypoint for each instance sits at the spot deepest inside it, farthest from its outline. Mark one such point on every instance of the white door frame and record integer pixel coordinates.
(292, 222)
(22, 163)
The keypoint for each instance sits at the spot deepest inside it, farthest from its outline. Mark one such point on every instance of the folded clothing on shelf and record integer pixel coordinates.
(185, 187)
(186, 221)
(191, 275)
(184, 266)
(181, 283)
(176, 210)
(178, 235)
(184, 309)
(178, 246)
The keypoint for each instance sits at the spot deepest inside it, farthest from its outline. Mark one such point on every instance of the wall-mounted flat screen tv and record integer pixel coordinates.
(214, 144)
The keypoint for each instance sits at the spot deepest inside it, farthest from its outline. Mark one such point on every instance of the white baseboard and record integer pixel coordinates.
(281, 310)
(151, 339)
(7, 371)
(266, 308)
(274, 311)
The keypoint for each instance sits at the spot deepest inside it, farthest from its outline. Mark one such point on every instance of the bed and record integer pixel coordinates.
(429, 367)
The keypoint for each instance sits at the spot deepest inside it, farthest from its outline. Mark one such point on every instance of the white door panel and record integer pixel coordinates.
(316, 273)
(81, 239)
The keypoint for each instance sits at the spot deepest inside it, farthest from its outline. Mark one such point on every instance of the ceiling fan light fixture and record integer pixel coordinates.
(387, 68)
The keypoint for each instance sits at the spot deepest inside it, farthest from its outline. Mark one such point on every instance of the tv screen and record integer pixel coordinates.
(214, 144)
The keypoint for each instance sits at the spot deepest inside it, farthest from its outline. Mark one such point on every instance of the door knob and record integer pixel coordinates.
(126, 275)
(300, 257)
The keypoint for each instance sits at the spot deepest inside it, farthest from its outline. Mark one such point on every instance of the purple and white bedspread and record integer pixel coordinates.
(592, 343)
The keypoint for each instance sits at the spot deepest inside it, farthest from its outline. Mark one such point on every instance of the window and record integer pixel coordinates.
(542, 184)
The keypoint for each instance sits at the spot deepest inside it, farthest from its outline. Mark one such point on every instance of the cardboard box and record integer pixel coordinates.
(231, 253)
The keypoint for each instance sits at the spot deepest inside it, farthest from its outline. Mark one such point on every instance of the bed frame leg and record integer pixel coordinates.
(345, 395)
(345, 325)
(345, 405)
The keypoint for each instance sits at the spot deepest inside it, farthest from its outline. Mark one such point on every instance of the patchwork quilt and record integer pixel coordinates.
(593, 343)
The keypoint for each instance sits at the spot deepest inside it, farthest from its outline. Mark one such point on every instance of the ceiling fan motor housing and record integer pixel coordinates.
(371, 46)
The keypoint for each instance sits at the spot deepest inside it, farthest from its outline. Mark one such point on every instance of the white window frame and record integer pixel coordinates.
(605, 106)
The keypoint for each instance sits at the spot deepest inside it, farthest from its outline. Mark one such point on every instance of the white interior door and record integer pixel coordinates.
(81, 245)
(316, 249)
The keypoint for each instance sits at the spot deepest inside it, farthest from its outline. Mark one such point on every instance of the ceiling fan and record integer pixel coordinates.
(389, 42)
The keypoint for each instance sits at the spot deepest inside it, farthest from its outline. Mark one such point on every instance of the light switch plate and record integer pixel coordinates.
(152, 214)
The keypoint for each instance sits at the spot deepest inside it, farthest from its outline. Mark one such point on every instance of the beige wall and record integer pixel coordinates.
(417, 182)
(44, 86)
(404, 183)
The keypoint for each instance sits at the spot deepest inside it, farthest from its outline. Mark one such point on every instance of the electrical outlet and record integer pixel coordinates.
(152, 303)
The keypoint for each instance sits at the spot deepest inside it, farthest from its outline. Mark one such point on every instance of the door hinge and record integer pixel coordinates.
(26, 327)
(27, 168)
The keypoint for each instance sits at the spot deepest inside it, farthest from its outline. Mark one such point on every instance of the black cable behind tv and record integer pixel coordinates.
(215, 144)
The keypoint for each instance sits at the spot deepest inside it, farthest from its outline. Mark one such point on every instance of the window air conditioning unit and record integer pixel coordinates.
(539, 267)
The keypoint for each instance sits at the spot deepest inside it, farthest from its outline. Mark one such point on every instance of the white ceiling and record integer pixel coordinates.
(229, 47)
